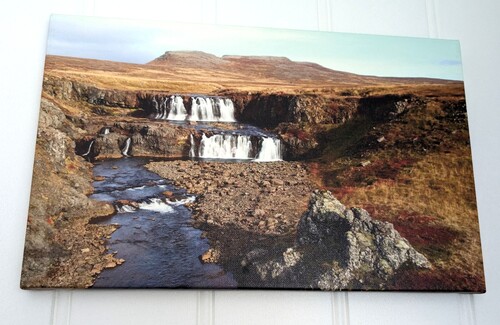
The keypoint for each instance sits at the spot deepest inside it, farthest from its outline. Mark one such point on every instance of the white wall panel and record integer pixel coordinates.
(296, 14)
(171, 10)
(404, 308)
(386, 17)
(24, 28)
(134, 307)
(478, 30)
(272, 307)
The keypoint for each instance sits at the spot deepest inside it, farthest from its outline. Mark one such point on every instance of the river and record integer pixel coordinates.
(160, 247)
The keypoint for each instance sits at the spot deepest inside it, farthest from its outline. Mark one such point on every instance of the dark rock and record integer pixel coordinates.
(336, 248)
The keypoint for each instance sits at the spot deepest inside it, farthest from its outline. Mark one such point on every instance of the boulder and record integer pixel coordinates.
(336, 248)
(368, 246)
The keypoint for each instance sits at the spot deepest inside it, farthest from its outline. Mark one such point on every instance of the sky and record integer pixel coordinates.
(142, 41)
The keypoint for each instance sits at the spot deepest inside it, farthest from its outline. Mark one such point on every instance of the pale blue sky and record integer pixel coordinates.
(142, 41)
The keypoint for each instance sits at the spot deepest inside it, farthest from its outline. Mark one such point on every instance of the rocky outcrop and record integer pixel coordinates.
(62, 249)
(269, 110)
(383, 108)
(78, 91)
(337, 248)
(147, 139)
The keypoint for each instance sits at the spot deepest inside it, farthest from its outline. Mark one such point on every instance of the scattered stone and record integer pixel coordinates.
(365, 163)
(99, 178)
(210, 256)
(168, 194)
(85, 250)
(110, 265)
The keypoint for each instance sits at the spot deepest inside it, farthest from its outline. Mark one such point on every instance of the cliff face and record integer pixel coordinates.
(60, 210)
(108, 139)
(69, 90)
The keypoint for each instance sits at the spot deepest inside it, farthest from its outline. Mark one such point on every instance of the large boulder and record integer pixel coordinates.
(337, 248)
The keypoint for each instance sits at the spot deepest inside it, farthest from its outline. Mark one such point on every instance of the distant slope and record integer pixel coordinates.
(199, 72)
(272, 67)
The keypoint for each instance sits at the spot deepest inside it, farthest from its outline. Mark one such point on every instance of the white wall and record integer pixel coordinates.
(23, 34)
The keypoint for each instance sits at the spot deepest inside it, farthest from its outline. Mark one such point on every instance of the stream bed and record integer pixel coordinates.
(160, 247)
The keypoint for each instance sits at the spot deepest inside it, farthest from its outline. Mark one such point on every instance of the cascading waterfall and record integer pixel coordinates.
(225, 146)
(177, 111)
(104, 131)
(203, 109)
(90, 148)
(270, 150)
(236, 146)
(192, 150)
(126, 147)
(226, 109)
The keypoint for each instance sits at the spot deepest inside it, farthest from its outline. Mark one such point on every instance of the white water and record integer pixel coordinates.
(270, 150)
(236, 146)
(90, 148)
(156, 205)
(126, 209)
(192, 150)
(204, 109)
(187, 200)
(226, 109)
(177, 111)
(127, 147)
(225, 146)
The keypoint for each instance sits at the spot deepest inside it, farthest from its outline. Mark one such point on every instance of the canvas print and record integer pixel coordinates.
(196, 156)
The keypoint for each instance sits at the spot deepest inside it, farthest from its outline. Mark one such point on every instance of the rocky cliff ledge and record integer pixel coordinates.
(62, 249)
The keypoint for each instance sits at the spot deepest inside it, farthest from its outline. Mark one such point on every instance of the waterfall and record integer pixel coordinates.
(225, 146)
(177, 111)
(236, 146)
(104, 130)
(270, 150)
(204, 109)
(90, 148)
(126, 147)
(226, 109)
(192, 152)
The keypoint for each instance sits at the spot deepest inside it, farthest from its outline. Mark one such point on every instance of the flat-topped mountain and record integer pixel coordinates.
(255, 67)
(276, 68)
(200, 72)
(189, 59)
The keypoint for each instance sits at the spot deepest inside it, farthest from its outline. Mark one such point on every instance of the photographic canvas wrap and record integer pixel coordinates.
(198, 156)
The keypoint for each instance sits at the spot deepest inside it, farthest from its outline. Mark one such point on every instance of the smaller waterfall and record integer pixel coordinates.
(203, 109)
(126, 148)
(104, 131)
(225, 146)
(236, 146)
(192, 151)
(90, 148)
(177, 111)
(270, 150)
(226, 109)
